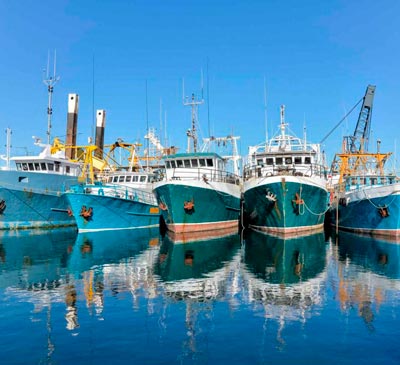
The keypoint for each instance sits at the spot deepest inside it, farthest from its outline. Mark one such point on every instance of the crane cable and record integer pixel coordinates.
(340, 122)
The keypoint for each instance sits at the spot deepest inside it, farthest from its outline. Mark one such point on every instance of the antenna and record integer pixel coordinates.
(93, 113)
(8, 146)
(147, 127)
(265, 111)
(208, 103)
(50, 81)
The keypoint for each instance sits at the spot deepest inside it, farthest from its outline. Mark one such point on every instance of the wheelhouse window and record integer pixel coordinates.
(186, 163)
(50, 166)
(135, 178)
(37, 166)
(121, 178)
(57, 166)
(110, 179)
(210, 162)
(173, 164)
(128, 178)
(43, 166)
(202, 162)
(279, 160)
(142, 178)
(115, 179)
(30, 164)
(194, 162)
(269, 161)
(168, 164)
(259, 162)
(307, 160)
(288, 161)
(67, 169)
(297, 160)
(18, 166)
(179, 163)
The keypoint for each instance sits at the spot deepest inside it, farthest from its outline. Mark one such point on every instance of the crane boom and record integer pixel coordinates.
(359, 140)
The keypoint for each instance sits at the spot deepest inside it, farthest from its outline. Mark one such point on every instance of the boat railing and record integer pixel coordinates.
(354, 182)
(204, 174)
(257, 171)
(120, 191)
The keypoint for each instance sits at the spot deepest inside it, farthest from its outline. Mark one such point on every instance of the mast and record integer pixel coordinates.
(192, 133)
(8, 147)
(265, 113)
(50, 81)
(283, 127)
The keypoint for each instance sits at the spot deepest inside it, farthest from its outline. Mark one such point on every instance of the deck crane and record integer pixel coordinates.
(358, 142)
(355, 159)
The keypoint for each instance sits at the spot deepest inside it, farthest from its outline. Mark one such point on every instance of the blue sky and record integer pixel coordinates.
(317, 58)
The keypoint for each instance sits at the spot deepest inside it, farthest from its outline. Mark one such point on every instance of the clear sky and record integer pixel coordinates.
(317, 58)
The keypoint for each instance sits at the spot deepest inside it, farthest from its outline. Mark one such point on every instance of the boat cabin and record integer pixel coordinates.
(357, 182)
(197, 166)
(298, 163)
(136, 179)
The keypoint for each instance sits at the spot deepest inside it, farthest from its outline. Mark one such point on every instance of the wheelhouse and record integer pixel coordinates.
(197, 166)
(46, 166)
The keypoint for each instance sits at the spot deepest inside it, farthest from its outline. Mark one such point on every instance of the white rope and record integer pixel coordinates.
(319, 214)
(377, 207)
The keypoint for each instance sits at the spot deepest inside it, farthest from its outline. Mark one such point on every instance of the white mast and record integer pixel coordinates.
(50, 81)
(8, 147)
(192, 133)
(265, 114)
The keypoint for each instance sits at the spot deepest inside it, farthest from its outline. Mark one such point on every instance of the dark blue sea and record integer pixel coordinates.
(139, 298)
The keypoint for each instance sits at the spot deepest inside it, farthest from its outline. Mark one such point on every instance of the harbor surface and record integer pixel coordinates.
(138, 297)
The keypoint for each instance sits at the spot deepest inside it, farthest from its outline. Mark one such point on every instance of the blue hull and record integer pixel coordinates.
(285, 207)
(111, 212)
(366, 217)
(34, 200)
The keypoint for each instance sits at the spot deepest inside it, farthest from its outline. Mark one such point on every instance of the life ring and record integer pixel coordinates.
(100, 192)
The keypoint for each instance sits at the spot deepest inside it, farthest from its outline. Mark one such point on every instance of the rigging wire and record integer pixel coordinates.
(340, 122)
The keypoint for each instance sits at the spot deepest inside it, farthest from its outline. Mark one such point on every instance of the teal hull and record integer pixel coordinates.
(211, 209)
(285, 207)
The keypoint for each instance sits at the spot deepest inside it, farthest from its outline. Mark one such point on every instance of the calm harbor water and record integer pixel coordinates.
(139, 298)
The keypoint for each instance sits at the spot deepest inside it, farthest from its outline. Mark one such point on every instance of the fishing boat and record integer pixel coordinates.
(31, 186)
(31, 190)
(284, 187)
(124, 201)
(366, 195)
(201, 188)
(112, 195)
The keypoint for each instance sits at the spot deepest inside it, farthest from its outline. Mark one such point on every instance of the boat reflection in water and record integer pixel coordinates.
(34, 260)
(196, 269)
(286, 276)
(120, 261)
(33, 267)
(197, 273)
(368, 274)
